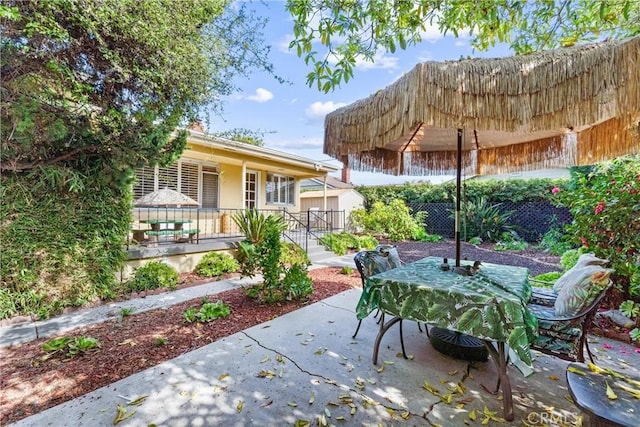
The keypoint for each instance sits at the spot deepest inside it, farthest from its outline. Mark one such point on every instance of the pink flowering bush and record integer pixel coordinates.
(605, 205)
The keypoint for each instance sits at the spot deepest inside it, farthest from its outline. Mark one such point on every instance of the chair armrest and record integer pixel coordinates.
(565, 319)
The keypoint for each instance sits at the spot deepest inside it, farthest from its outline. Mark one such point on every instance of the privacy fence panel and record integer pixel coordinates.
(531, 219)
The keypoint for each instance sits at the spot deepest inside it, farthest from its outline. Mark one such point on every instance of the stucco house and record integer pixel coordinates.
(224, 177)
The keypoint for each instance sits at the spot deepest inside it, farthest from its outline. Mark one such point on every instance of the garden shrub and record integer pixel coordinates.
(72, 345)
(605, 204)
(549, 277)
(393, 220)
(215, 264)
(261, 253)
(366, 241)
(510, 245)
(479, 218)
(63, 238)
(292, 254)
(208, 312)
(153, 275)
(496, 191)
(346, 270)
(570, 258)
(556, 242)
(341, 243)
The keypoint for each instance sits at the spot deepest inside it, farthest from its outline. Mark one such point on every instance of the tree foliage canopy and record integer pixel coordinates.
(90, 90)
(111, 80)
(248, 136)
(353, 29)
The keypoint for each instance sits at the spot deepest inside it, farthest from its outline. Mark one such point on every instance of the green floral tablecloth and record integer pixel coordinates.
(490, 305)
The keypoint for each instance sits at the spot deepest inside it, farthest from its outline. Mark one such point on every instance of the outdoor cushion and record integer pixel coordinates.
(571, 275)
(391, 252)
(588, 282)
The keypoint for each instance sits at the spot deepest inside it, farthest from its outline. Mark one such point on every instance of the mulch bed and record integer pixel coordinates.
(29, 383)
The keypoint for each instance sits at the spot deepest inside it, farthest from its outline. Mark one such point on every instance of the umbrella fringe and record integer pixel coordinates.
(592, 88)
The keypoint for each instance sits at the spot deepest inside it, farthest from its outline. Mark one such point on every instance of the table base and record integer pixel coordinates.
(383, 329)
(499, 356)
(458, 345)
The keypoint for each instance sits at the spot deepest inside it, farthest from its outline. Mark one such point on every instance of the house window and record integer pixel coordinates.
(145, 181)
(280, 189)
(209, 189)
(200, 182)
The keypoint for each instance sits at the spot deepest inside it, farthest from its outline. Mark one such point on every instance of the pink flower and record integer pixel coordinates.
(607, 346)
(555, 190)
(599, 208)
(584, 242)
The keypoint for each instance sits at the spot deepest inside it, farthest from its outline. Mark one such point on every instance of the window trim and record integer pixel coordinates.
(290, 196)
(213, 168)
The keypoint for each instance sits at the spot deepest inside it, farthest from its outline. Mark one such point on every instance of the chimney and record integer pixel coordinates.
(346, 176)
(197, 126)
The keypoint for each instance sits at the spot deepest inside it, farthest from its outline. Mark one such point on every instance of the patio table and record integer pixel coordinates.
(156, 224)
(490, 305)
(167, 227)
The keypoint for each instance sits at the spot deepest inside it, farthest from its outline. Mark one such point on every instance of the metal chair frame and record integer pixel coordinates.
(583, 319)
(360, 265)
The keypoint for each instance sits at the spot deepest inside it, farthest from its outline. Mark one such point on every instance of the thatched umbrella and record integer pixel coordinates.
(165, 197)
(564, 107)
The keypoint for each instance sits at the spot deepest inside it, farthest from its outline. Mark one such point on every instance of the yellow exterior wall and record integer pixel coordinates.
(231, 190)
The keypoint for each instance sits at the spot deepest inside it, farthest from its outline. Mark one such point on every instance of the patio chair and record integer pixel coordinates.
(368, 263)
(565, 318)
(391, 252)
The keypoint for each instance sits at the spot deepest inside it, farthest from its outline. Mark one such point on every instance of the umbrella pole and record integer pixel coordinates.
(446, 341)
(458, 185)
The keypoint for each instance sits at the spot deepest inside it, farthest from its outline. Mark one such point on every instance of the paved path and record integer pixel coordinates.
(304, 366)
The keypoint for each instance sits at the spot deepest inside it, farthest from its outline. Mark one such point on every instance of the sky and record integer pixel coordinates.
(291, 116)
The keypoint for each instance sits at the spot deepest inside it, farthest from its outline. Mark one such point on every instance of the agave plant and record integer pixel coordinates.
(255, 225)
(486, 221)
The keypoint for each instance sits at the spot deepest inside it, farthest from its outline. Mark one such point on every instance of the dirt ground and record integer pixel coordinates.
(537, 261)
(30, 382)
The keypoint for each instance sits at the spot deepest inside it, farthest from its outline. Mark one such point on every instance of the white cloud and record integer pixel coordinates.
(318, 110)
(380, 61)
(283, 44)
(431, 34)
(302, 143)
(261, 95)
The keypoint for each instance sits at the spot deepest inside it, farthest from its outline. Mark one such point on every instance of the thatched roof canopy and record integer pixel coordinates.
(564, 107)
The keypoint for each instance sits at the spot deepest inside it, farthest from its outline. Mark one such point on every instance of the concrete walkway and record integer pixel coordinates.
(305, 367)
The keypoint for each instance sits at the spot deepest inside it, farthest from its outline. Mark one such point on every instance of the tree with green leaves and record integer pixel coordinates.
(91, 90)
(110, 81)
(357, 29)
(248, 136)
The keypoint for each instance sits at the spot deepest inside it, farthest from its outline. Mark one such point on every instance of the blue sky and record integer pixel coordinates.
(293, 115)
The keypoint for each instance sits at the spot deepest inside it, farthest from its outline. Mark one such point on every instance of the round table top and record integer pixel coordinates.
(588, 390)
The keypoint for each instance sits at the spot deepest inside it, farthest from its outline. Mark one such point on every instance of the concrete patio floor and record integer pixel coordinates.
(305, 369)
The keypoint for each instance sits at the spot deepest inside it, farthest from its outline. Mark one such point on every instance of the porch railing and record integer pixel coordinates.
(158, 225)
